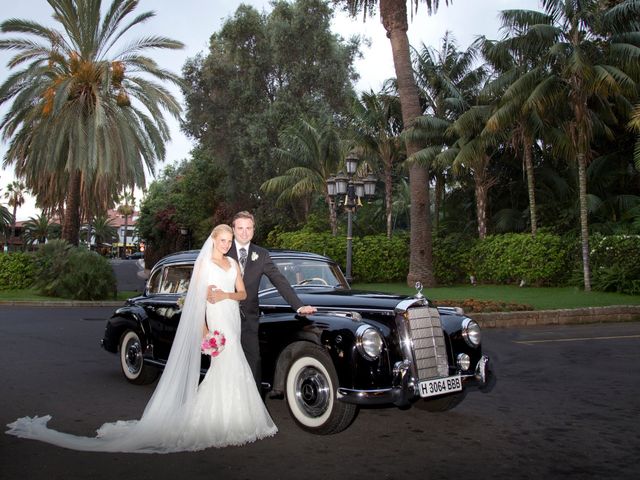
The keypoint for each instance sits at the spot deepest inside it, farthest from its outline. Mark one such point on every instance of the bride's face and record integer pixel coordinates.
(223, 242)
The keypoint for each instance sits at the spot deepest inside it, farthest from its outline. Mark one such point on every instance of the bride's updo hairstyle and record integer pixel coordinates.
(223, 227)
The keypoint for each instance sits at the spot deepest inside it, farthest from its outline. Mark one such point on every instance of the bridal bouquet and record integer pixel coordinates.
(213, 343)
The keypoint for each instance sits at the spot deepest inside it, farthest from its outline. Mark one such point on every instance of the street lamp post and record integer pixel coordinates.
(347, 190)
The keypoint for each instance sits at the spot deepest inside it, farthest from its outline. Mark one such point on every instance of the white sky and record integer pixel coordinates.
(193, 21)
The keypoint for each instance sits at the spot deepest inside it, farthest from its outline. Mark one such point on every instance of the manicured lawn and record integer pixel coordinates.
(538, 298)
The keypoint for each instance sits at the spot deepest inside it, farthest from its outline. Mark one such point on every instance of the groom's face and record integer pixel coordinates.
(243, 230)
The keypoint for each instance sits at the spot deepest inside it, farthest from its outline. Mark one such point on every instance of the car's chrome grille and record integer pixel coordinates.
(429, 350)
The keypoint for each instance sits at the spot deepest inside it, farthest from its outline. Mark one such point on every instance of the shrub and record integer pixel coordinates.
(89, 277)
(51, 260)
(375, 258)
(451, 256)
(615, 263)
(71, 272)
(512, 258)
(17, 271)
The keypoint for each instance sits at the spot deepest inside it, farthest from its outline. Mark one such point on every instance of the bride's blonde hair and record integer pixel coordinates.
(223, 227)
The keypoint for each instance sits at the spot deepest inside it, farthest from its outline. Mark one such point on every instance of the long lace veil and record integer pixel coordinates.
(158, 428)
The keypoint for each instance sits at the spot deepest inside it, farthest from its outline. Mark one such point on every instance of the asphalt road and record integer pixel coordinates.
(566, 405)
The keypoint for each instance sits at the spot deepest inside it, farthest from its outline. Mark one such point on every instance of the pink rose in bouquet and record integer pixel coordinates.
(213, 343)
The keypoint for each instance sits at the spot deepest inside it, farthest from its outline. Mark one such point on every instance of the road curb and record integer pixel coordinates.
(613, 313)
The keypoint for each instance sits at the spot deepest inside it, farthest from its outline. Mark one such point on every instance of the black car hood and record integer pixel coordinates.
(337, 298)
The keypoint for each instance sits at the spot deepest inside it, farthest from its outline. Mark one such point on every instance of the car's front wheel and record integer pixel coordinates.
(311, 386)
(131, 360)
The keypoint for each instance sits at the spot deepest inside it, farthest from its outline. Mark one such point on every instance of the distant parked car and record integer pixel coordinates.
(360, 349)
(135, 256)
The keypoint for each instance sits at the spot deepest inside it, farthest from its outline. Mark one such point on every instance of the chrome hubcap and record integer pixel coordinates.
(313, 394)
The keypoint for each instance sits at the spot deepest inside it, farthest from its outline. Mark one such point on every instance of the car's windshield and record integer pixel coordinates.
(309, 272)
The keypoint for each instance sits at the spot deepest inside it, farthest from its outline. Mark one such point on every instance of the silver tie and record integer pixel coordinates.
(243, 258)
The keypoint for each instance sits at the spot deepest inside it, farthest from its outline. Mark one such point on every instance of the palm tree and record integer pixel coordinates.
(15, 198)
(126, 209)
(79, 113)
(103, 229)
(634, 124)
(393, 14)
(314, 152)
(5, 219)
(517, 61)
(377, 122)
(591, 57)
(449, 83)
(37, 229)
(472, 153)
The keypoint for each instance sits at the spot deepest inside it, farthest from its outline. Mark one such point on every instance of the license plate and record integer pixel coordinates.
(440, 386)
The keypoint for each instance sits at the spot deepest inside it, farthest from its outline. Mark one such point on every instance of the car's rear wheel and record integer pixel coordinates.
(311, 384)
(131, 360)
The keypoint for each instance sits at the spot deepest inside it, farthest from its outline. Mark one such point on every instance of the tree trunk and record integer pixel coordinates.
(333, 216)
(531, 188)
(388, 198)
(13, 228)
(124, 241)
(71, 225)
(437, 201)
(393, 14)
(481, 207)
(584, 220)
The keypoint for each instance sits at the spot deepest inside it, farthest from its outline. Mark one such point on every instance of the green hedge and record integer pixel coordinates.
(375, 258)
(514, 257)
(615, 263)
(17, 270)
(543, 260)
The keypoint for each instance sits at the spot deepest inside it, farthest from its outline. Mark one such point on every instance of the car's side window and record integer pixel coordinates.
(154, 282)
(170, 279)
(175, 279)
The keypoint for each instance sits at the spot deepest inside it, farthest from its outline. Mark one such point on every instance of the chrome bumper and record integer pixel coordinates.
(404, 389)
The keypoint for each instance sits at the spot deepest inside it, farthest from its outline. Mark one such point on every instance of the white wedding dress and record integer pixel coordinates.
(225, 409)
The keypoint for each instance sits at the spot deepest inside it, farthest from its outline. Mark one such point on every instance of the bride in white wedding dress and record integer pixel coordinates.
(225, 409)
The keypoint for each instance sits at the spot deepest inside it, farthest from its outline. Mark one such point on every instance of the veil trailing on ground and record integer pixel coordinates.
(158, 430)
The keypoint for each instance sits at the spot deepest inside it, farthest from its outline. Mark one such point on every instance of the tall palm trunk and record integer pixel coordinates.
(124, 241)
(584, 220)
(528, 164)
(437, 201)
(71, 225)
(388, 200)
(333, 215)
(482, 183)
(13, 226)
(393, 14)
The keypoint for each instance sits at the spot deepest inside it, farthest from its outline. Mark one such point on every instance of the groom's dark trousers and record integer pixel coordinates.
(259, 263)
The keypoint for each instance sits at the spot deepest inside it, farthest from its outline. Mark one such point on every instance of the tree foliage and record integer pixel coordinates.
(263, 72)
(84, 121)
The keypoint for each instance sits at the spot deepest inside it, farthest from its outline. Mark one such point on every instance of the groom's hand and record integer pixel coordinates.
(210, 293)
(306, 310)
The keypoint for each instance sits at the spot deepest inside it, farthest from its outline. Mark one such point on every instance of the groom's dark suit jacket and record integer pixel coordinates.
(259, 263)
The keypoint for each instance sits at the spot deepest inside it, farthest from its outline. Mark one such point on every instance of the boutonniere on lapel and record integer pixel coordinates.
(254, 256)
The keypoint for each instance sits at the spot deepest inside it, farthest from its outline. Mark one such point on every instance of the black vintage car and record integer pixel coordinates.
(361, 348)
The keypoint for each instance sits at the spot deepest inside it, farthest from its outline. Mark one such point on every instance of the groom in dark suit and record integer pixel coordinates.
(254, 262)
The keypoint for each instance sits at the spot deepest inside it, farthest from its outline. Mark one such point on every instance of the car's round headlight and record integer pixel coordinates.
(471, 332)
(369, 342)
